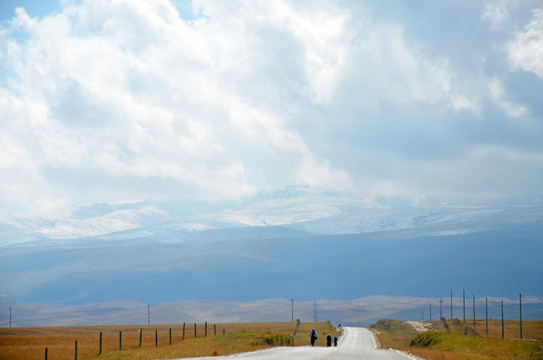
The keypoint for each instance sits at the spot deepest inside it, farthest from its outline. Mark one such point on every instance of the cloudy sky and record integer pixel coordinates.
(112, 100)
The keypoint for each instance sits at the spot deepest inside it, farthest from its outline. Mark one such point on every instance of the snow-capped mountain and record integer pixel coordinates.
(317, 213)
(306, 245)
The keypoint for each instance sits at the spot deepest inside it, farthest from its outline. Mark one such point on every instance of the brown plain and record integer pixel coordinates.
(30, 342)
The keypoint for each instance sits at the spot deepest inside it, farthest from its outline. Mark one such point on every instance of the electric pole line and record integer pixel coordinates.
(473, 311)
(292, 310)
(486, 315)
(503, 332)
(520, 305)
(451, 306)
(464, 304)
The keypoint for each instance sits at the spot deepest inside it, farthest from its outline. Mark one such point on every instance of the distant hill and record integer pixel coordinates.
(312, 247)
(358, 312)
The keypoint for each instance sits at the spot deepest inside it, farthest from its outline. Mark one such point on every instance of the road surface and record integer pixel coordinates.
(356, 343)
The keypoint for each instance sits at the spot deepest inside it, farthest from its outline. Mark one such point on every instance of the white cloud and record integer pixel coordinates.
(137, 101)
(401, 70)
(498, 94)
(496, 12)
(128, 88)
(461, 102)
(526, 50)
(323, 35)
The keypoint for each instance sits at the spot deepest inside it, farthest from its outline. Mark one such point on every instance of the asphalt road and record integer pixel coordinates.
(356, 343)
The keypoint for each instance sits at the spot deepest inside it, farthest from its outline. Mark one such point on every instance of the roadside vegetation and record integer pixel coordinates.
(30, 342)
(455, 340)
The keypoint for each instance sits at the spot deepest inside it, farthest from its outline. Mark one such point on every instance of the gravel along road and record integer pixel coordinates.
(356, 343)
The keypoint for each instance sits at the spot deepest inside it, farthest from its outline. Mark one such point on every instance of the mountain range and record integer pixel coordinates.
(279, 246)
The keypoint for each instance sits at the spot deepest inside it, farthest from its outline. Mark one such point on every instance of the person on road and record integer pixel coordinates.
(329, 340)
(313, 337)
(335, 340)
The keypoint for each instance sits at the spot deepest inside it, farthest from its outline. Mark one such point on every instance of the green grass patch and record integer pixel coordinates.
(426, 339)
(473, 347)
(272, 339)
(462, 342)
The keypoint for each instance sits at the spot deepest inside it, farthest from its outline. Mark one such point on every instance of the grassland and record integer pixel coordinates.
(30, 342)
(464, 342)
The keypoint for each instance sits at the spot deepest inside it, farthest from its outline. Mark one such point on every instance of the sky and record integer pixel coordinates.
(212, 100)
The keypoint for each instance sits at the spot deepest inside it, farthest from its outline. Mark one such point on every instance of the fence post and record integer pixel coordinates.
(141, 335)
(205, 331)
(214, 329)
(183, 331)
(170, 336)
(46, 350)
(223, 331)
(195, 331)
(100, 343)
(76, 350)
(120, 341)
(156, 338)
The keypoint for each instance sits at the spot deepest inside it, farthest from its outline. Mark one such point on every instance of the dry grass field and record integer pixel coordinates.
(30, 342)
(463, 342)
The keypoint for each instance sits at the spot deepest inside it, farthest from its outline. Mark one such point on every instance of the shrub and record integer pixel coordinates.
(273, 340)
(425, 339)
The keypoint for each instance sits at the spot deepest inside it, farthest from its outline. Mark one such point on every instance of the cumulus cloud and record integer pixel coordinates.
(129, 88)
(113, 100)
(498, 94)
(526, 50)
(388, 64)
(496, 13)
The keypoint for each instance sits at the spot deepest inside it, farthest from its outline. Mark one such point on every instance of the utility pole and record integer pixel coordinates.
(148, 314)
(473, 311)
(315, 311)
(520, 304)
(440, 308)
(451, 305)
(10, 316)
(430, 311)
(292, 310)
(464, 304)
(486, 315)
(503, 333)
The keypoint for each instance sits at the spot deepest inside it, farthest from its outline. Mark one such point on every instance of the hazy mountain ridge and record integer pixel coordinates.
(170, 252)
(363, 311)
